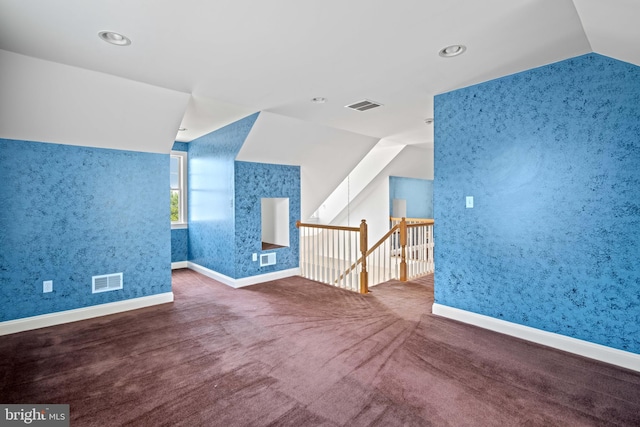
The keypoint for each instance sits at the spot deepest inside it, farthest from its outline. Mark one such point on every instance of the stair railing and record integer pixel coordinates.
(405, 252)
(339, 256)
(419, 249)
(326, 251)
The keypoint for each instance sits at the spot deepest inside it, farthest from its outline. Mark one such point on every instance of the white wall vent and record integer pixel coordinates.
(364, 105)
(267, 259)
(106, 282)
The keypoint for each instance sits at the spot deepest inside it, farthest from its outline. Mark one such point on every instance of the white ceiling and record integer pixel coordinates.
(235, 57)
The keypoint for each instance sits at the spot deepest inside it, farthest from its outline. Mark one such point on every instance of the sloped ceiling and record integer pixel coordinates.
(326, 154)
(50, 102)
(612, 27)
(231, 57)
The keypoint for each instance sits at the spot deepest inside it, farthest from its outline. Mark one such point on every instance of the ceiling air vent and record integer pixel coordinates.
(364, 105)
(106, 282)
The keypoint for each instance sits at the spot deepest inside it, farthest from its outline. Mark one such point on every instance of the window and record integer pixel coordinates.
(178, 173)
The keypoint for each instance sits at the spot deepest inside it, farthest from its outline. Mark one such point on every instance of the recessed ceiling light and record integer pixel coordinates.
(453, 50)
(181, 129)
(114, 38)
(318, 100)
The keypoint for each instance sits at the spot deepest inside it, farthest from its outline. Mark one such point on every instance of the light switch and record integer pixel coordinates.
(47, 286)
(469, 202)
(255, 257)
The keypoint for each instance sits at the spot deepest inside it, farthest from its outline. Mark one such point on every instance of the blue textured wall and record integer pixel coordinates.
(180, 146)
(180, 236)
(179, 244)
(69, 213)
(253, 182)
(417, 192)
(211, 196)
(552, 157)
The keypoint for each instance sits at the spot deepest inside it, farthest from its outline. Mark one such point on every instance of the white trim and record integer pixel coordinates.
(562, 342)
(179, 225)
(179, 264)
(245, 281)
(183, 186)
(51, 319)
(267, 277)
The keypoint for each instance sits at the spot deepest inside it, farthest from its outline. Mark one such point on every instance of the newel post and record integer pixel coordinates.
(403, 243)
(364, 275)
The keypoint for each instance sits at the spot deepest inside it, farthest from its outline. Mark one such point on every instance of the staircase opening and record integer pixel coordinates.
(341, 256)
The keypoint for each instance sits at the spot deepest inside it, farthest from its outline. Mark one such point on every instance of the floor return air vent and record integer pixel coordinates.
(267, 259)
(106, 282)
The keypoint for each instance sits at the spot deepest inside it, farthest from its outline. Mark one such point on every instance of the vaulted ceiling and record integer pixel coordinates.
(201, 64)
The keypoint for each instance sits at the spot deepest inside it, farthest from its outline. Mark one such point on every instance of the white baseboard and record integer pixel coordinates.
(51, 319)
(245, 281)
(179, 264)
(562, 342)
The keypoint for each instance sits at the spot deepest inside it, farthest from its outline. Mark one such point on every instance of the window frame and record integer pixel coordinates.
(183, 220)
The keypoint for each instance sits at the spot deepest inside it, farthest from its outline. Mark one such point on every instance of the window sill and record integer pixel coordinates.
(179, 225)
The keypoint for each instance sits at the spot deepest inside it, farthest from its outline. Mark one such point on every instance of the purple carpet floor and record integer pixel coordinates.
(297, 353)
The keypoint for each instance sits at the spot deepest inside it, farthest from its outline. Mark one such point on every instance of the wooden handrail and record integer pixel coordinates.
(393, 218)
(421, 223)
(403, 243)
(349, 270)
(369, 252)
(326, 227)
(381, 241)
